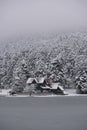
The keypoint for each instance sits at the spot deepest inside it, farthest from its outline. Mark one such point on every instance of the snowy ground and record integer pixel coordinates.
(68, 92)
(4, 92)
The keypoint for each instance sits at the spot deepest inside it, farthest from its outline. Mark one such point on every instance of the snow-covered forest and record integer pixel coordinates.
(59, 56)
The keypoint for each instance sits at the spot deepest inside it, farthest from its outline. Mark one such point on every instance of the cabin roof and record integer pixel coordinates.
(56, 85)
(37, 80)
(30, 80)
(40, 80)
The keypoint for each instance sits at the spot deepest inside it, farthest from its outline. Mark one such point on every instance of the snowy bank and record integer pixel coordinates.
(68, 92)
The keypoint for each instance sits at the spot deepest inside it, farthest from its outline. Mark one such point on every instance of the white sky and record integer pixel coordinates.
(21, 16)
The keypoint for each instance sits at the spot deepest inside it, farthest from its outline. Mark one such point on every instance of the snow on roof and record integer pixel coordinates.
(47, 87)
(40, 80)
(61, 88)
(37, 80)
(30, 80)
(56, 85)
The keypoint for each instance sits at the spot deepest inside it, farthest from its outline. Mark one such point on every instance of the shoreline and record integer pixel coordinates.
(68, 93)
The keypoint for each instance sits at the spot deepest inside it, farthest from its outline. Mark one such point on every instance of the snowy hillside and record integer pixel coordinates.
(32, 55)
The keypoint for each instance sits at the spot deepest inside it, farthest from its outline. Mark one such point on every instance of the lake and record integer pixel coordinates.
(43, 113)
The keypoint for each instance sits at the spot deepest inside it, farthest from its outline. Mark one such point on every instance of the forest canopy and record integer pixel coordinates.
(61, 56)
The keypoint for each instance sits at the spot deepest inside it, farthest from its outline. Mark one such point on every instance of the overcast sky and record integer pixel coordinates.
(21, 16)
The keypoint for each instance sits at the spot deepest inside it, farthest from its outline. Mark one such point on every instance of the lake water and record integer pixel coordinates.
(43, 113)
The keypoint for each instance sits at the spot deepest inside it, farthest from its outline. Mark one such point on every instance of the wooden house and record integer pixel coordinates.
(41, 83)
